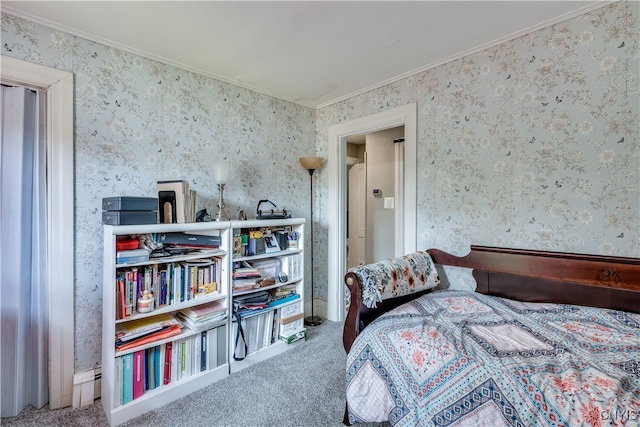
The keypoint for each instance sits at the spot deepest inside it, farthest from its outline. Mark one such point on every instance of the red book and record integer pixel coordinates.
(138, 373)
(167, 363)
(121, 302)
(163, 333)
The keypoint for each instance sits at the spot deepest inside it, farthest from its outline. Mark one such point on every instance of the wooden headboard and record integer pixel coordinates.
(524, 275)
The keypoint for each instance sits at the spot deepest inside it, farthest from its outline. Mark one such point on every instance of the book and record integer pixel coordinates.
(196, 353)
(204, 311)
(138, 373)
(283, 300)
(140, 327)
(175, 360)
(157, 367)
(221, 345)
(203, 351)
(120, 299)
(212, 347)
(117, 383)
(127, 378)
(173, 200)
(183, 358)
(167, 363)
(149, 338)
(149, 377)
(204, 324)
(189, 356)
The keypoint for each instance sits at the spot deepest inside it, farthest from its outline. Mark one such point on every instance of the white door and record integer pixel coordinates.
(357, 216)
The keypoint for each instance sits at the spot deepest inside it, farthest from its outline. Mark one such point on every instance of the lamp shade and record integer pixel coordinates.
(221, 172)
(311, 162)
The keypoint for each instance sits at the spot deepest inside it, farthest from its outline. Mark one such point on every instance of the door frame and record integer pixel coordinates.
(60, 222)
(337, 204)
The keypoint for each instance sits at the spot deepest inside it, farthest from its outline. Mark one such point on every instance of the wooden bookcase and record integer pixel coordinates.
(113, 358)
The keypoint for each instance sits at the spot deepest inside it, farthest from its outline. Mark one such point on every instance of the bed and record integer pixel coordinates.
(547, 338)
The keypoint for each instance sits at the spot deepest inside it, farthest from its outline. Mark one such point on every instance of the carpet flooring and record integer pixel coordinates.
(300, 387)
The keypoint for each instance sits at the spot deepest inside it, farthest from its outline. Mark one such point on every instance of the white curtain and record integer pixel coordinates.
(24, 341)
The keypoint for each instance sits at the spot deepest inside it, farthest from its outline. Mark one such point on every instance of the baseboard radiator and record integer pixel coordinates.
(86, 387)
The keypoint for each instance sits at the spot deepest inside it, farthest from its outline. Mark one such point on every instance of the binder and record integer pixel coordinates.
(127, 378)
(167, 363)
(157, 367)
(203, 351)
(138, 373)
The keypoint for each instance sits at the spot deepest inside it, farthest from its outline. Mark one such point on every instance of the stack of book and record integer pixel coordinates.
(282, 291)
(145, 331)
(176, 201)
(245, 277)
(204, 316)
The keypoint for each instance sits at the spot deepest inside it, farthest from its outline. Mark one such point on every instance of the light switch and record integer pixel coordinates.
(388, 202)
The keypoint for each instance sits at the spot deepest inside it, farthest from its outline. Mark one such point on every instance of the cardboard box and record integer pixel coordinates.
(290, 309)
(295, 336)
(290, 325)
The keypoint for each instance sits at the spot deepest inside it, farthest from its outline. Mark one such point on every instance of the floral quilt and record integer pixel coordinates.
(453, 358)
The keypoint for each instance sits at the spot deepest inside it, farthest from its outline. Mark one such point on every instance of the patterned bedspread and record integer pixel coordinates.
(468, 359)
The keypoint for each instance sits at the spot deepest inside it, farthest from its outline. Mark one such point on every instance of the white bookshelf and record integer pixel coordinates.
(118, 413)
(270, 315)
(162, 394)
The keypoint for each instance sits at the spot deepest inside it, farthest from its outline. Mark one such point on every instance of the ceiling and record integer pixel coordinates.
(313, 53)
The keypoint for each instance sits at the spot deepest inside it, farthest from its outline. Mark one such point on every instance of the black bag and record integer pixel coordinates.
(239, 351)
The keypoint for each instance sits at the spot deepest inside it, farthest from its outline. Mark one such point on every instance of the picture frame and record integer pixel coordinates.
(271, 243)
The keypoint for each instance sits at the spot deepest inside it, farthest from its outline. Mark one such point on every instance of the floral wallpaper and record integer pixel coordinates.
(530, 144)
(533, 143)
(138, 121)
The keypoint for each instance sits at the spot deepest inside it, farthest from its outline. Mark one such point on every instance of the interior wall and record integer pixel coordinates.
(380, 160)
(530, 144)
(356, 151)
(138, 121)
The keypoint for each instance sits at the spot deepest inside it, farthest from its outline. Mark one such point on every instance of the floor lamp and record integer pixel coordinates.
(311, 164)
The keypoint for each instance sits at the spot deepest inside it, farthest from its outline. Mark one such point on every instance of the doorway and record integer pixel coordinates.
(60, 253)
(337, 168)
(374, 162)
